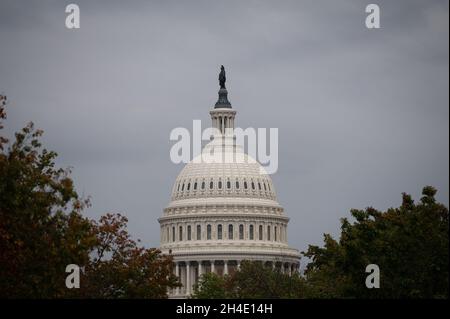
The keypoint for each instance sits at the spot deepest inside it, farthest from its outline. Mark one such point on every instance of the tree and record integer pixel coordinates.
(41, 227)
(121, 269)
(42, 230)
(409, 244)
(252, 280)
(211, 286)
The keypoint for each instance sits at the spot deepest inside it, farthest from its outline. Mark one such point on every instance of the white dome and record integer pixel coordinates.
(223, 210)
(228, 172)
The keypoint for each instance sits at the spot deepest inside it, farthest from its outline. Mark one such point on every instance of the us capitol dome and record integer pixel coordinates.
(223, 210)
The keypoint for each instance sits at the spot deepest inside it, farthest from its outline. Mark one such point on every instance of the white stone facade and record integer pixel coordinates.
(223, 211)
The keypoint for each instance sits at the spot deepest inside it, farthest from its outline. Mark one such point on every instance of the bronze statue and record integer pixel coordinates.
(222, 77)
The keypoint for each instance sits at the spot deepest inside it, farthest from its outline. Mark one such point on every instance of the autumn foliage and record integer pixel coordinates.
(42, 230)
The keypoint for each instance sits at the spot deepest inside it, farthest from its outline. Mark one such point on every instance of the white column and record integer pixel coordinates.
(212, 266)
(239, 264)
(188, 278)
(177, 273)
(200, 269)
(225, 267)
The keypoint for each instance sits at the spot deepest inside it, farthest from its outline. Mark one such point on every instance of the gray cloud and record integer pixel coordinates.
(363, 114)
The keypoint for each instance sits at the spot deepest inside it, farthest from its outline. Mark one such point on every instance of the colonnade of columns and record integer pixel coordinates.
(223, 119)
(223, 122)
(189, 272)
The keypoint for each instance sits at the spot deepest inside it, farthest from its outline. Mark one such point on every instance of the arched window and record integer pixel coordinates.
(268, 232)
(259, 185)
(268, 186)
(253, 185)
(199, 232)
(189, 186)
(211, 185)
(230, 231)
(189, 232)
(245, 185)
(173, 233)
(203, 185)
(260, 232)
(228, 184)
(219, 185)
(178, 188)
(250, 232)
(241, 232)
(208, 232)
(180, 233)
(182, 187)
(237, 184)
(219, 231)
(195, 186)
(275, 233)
(265, 186)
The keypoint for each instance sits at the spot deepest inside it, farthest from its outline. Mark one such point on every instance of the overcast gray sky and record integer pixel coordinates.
(363, 115)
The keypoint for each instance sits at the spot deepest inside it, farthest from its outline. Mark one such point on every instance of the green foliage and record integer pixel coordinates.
(42, 230)
(211, 286)
(409, 244)
(252, 280)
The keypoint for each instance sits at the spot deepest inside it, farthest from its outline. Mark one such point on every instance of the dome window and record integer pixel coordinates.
(230, 231)
(237, 184)
(199, 232)
(251, 232)
(211, 185)
(260, 232)
(259, 185)
(220, 185)
(245, 185)
(241, 232)
(208, 232)
(180, 233)
(178, 188)
(173, 233)
(219, 231)
(203, 185)
(268, 232)
(189, 232)
(189, 186)
(195, 186)
(275, 233)
(228, 184)
(265, 186)
(253, 185)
